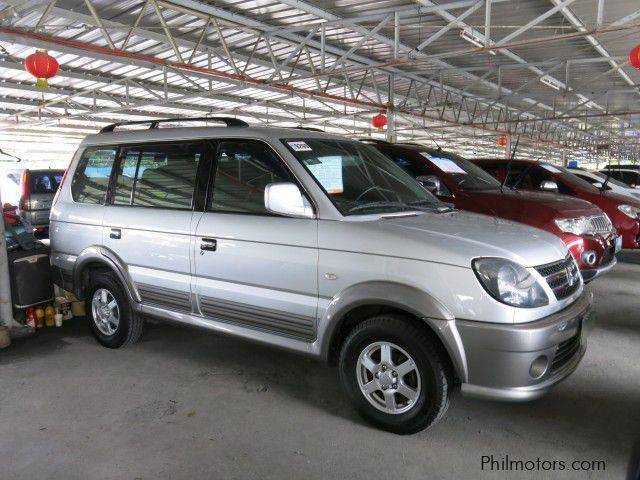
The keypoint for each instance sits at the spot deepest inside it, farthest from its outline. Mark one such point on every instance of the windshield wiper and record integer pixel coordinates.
(431, 206)
(382, 204)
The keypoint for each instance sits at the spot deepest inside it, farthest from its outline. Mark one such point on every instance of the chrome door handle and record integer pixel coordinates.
(208, 244)
(116, 234)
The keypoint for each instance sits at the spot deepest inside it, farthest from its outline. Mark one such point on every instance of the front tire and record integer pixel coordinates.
(397, 376)
(113, 321)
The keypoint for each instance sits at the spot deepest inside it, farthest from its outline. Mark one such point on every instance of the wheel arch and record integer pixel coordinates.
(359, 302)
(97, 257)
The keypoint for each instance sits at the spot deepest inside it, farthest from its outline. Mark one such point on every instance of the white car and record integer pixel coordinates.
(613, 185)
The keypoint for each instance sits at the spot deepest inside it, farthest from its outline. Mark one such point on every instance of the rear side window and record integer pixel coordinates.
(159, 175)
(243, 170)
(91, 179)
(44, 182)
(630, 178)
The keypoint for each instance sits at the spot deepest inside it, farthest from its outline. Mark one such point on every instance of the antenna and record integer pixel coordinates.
(506, 175)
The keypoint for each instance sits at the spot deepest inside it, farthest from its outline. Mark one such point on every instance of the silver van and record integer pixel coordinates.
(320, 245)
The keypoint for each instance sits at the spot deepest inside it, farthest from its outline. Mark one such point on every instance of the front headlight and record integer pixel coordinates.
(630, 211)
(576, 226)
(509, 283)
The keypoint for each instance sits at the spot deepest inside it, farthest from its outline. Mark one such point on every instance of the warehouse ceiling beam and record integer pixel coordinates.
(453, 23)
(417, 84)
(581, 27)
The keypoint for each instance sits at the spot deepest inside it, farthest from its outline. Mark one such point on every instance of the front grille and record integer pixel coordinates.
(563, 277)
(601, 224)
(566, 351)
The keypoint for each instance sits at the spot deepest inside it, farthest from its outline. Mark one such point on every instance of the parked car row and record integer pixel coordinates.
(584, 228)
(325, 246)
(623, 211)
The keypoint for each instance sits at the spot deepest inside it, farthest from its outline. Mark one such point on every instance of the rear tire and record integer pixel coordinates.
(113, 322)
(397, 376)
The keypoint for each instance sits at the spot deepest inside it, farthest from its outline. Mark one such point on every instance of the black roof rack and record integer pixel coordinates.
(374, 140)
(312, 129)
(153, 124)
(628, 166)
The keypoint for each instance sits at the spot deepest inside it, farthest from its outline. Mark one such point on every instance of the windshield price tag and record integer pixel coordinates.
(299, 146)
(328, 171)
(445, 164)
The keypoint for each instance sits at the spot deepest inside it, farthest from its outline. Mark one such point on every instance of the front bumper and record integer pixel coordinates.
(500, 357)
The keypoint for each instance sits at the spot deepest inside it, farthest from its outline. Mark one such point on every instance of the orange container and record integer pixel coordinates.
(50, 316)
(39, 317)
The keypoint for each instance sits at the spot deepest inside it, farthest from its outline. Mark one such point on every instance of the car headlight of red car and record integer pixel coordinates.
(630, 211)
(576, 226)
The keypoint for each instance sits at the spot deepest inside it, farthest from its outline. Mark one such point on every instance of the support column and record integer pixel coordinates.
(6, 309)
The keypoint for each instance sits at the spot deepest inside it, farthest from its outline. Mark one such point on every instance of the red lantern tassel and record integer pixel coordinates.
(42, 83)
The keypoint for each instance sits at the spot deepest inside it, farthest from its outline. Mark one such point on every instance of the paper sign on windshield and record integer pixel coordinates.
(550, 168)
(328, 171)
(445, 164)
(299, 146)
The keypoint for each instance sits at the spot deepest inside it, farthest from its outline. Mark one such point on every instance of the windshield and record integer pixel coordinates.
(360, 180)
(612, 181)
(465, 174)
(568, 177)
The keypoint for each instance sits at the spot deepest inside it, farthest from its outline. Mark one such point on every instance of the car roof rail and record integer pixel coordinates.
(311, 129)
(619, 166)
(374, 140)
(153, 124)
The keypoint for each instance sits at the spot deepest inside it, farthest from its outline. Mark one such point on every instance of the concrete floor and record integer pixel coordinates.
(188, 404)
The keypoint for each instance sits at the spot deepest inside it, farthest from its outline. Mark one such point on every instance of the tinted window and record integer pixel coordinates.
(630, 178)
(125, 177)
(611, 181)
(461, 171)
(413, 168)
(161, 175)
(243, 169)
(91, 179)
(44, 182)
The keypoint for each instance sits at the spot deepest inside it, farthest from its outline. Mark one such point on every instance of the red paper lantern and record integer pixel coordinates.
(42, 66)
(379, 120)
(502, 141)
(634, 57)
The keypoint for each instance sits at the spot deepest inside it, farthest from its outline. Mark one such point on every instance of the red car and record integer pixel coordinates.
(624, 212)
(583, 227)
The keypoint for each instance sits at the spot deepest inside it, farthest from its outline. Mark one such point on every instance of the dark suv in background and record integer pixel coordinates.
(583, 227)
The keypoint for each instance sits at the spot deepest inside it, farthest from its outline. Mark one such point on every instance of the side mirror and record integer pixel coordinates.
(430, 182)
(286, 199)
(597, 184)
(549, 186)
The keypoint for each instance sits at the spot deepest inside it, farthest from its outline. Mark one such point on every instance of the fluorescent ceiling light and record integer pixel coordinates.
(475, 39)
(551, 82)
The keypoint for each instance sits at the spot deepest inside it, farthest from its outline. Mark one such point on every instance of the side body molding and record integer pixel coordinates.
(403, 297)
(101, 255)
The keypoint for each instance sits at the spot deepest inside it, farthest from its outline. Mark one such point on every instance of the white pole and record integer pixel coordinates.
(6, 309)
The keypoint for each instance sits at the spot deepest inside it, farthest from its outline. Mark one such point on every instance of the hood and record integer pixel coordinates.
(453, 238)
(616, 197)
(542, 206)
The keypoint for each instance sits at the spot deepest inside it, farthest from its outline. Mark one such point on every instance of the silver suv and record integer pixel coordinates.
(320, 245)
